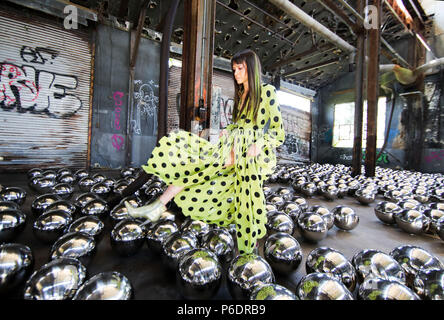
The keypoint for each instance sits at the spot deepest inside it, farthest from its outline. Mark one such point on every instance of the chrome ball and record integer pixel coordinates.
(312, 226)
(332, 262)
(245, 272)
(370, 263)
(82, 199)
(279, 222)
(105, 286)
(437, 206)
(62, 205)
(50, 174)
(330, 192)
(429, 284)
(42, 202)
(221, 242)
(86, 183)
(199, 274)
(321, 286)
(96, 207)
(119, 213)
(127, 237)
(14, 194)
(271, 291)
(51, 225)
(435, 217)
(100, 189)
(42, 184)
(384, 289)
(267, 191)
(16, 263)
(283, 253)
(407, 204)
(119, 186)
(64, 190)
(345, 218)
(170, 216)
(158, 232)
(199, 228)
(9, 205)
(12, 223)
(75, 245)
(412, 221)
(98, 177)
(32, 173)
(277, 201)
(57, 280)
(326, 214)
(67, 178)
(365, 196)
(413, 259)
(81, 173)
(309, 189)
(176, 245)
(284, 193)
(90, 225)
(293, 210)
(386, 210)
(302, 202)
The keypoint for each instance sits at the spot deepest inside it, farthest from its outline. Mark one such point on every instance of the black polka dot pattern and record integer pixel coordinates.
(219, 194)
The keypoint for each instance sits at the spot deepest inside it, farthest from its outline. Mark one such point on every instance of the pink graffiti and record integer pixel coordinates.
(15, 77)
(117, 140)
(439, 155)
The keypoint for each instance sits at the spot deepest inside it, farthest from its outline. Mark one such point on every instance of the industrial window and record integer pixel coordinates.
(343, 124)
(293, 100)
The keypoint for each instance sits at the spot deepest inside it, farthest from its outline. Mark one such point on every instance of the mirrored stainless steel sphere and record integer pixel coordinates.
(12, 223)
(42, 184)
(86, 183)
(16, 263)
(309, 189)
(158, 232)
(385, 211)
(279, 222)
(413, 259)
(77, 245)
(105, 286)
(221, 242)
(40, 203)
(345, 218)
(245, 272)
(34, 172)
(321, 286)
(64, 190)
(302, 202)
(267, 191)
(8, 205)
(384, 289)
(326, 214)
(96, 207)
(277, 201)
(63, 205)
(91, 225)
(128, 237)
(14, 194)
(371, 263)
(331, 261)
(285, 193)
(82, 199)
(283, 253)
(429, 284)
(437, 205)
(51, 225)
(199, 228)
(119, 186)
(435, 217)
(330, 192)
(271, 291)
(57, 280)
(312, 226)
(119, 213)
(100, 189)
(412, 221)
(176, 245)
(66, 178)
(81, 173)
(292, 209)
(199, 274)
(365, 196)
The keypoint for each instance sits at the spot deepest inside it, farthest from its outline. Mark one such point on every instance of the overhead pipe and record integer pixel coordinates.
(311, 23)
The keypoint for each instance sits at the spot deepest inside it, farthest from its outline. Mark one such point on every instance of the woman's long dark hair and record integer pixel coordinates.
(254, 72)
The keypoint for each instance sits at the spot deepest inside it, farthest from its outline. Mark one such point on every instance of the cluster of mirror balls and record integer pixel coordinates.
(204, 255)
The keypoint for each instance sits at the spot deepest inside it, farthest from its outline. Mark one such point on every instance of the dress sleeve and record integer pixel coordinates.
(275, 135)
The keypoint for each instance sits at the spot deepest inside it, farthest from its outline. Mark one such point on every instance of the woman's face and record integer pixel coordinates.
(240, 72)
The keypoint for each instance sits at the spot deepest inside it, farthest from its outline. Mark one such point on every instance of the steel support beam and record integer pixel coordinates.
(197, 65)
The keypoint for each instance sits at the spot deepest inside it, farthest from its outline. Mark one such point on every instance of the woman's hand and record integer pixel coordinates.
(253, 151)
(222, 133)
(230, 160)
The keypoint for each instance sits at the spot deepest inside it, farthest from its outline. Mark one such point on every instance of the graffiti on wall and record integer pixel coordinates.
(435, 156)
(117, 140)
(383, 158)
(26, 88)
(145, 102)
(294, 147)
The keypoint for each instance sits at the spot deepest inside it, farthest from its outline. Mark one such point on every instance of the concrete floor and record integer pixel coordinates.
(151, 280)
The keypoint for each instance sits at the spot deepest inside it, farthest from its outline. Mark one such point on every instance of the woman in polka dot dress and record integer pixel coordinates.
(222, 183)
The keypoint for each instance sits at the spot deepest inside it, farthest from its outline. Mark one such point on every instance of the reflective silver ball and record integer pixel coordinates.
(97, 207)
(365, 196)
(82, 199)
(267, 191)
(176, 245)
(81, 173)
(271, 291)
(293, 210)
(14, 194)
(77, 245)
(57, 280)
(66, 178)
(51, 225)
(105, 286)
(127, 237)
(42, 184)
(86, 183)
(32, 173)
(330, 192)
(64, 190)
(245, 272)
(12, 223)
(62, 205)
(100, 189)
(413, 259)
(345, 218)
(429, 284)
(309, 189)
(158, 232)
(199, 228)
(8, 205)
(40, 203)
(312, 226)
(221, 242)
(302, 202)
(119, 213)
(326, 214)
(384, 289)
(277, 201)
(199, 274)
(16, 263)
(334, 263)
(436, 217)
(370, 263)
(119, 186)
(91, 225)
(284, 193)
(279, 222)
(283, 252)
(321, 286)
(412, 221)
(386, 210)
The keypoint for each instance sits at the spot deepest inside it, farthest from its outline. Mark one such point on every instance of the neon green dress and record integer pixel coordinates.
(224, 195)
